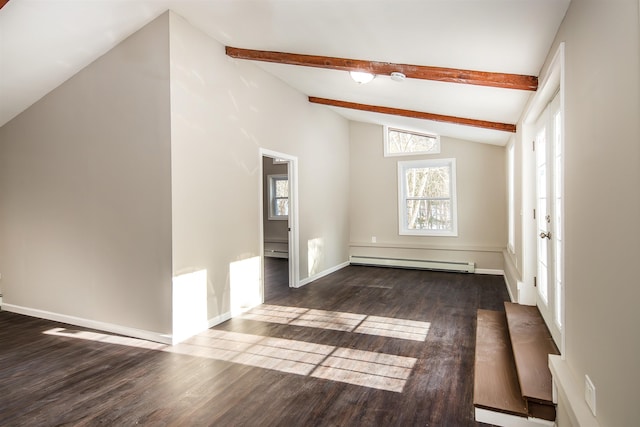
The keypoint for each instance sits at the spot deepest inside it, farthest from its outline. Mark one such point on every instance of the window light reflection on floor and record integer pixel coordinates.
(339, 321)
(357, 367)
(105, 338)
(363, 368)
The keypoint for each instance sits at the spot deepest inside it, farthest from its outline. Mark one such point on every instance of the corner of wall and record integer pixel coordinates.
(512, 276)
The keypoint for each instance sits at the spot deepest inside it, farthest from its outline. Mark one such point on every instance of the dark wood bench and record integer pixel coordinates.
(532, 344)
(511, 366)
(496, 382)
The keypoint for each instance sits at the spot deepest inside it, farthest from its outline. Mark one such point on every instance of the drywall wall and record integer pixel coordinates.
(602, 203)
(223, 111)
(481, 198)
(85, 202)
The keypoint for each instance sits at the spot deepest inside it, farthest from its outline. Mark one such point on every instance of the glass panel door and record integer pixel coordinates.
(549, 217)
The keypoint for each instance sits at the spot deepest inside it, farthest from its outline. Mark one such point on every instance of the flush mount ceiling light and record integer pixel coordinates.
(361, 77)
(397, 76)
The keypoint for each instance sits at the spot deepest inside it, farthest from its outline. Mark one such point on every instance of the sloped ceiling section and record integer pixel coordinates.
(44, 42)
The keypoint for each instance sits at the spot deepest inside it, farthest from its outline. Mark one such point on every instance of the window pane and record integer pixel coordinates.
(542, 182)
(282, 207)
(428, 182)
(426, 197)
(542, 282)
(558, 218)
(282, 188)
(511, 199)
(278, 197)
(409, 142)
(559, 302)
(557, 136)
(429, 214)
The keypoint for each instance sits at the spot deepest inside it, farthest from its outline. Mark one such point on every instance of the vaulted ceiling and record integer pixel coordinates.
(44, 42)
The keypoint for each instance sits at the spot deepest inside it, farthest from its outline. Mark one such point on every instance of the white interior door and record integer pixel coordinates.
(549, 217)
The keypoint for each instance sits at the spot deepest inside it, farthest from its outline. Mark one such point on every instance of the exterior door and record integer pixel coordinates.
(549, 217)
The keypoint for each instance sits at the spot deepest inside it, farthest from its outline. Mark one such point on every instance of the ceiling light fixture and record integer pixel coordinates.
(361, 77)
(397, 76)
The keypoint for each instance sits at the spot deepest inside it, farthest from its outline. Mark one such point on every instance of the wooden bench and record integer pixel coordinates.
(511, 363)
(496, 382)
(532, 344)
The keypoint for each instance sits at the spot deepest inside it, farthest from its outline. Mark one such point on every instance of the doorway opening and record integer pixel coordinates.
(278, 224)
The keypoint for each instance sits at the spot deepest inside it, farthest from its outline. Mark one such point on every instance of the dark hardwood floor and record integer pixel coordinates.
(361, 347)
(276, 277)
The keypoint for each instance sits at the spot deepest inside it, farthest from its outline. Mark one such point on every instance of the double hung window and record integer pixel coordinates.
(278, 197)
(427, 197)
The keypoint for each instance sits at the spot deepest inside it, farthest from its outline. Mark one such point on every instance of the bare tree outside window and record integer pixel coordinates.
(427, 197)
(278, 197)
(281, 197)
(400, 142)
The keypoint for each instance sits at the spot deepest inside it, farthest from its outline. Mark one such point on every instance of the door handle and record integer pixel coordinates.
(547, 235)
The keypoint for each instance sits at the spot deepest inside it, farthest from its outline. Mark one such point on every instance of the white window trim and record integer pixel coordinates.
(271, 180)
(417, 153)
(402, 206)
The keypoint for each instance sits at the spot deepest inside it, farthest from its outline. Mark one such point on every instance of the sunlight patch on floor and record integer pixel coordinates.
(340, 321)
(363, 368)
(105, 338)
(357, 367)
(367, 369)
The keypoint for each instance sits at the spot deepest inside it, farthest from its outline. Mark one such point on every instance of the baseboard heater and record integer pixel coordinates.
(274, 253)
(466, 267)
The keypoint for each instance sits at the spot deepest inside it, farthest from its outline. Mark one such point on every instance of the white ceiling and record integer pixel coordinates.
(44, 42)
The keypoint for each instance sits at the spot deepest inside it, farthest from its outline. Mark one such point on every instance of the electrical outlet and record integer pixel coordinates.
(590, 394)
(373, 239)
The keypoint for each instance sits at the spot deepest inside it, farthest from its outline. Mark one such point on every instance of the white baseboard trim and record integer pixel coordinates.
(507, 420)
(491, 271)
(323, 273)
(91, 324)
(571, 392)
(214, 321)
(506, 283)
(177, 339)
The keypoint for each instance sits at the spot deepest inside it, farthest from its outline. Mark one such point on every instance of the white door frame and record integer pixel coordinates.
(294, 234)
(552, 83)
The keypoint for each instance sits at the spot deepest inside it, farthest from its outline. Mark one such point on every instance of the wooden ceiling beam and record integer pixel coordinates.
(3, 2)
(449, 75)
(504, 127)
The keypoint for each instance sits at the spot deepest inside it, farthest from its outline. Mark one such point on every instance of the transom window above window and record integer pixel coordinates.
(278, 197)
(427, 197)
(399, 142)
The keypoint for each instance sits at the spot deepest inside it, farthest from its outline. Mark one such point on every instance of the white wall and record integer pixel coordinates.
(145, 166)
(222, 112)
(602, 205)
(85, 202)
(481, 177)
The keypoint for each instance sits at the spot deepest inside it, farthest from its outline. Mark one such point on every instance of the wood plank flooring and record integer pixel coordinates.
(281, 370)
(276, 277)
